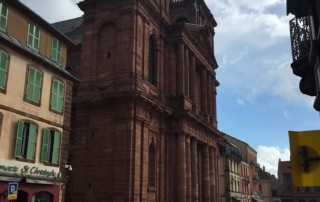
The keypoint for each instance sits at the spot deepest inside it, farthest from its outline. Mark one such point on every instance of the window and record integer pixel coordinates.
(152, 166)
(3, 16)
(152, 74)
(33, 88)
(42, 196)
(312, 189)
(301, 189)
(3, 70)
(56, 50)
(33, 36)
(26, 139)
(57, 95)
(50, 150)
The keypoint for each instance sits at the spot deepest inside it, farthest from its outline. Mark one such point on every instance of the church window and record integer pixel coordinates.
(152, 74)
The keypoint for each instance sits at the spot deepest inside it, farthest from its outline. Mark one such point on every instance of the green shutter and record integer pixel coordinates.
(60, 97)
(53, 49)
(56, 148)
(59, 52)
(3, 16)
(45, 145)
(19, 136)
(3, 69)
(34, 85)
(37, 87)
(54, 94)
(57, 96)
(31, 142)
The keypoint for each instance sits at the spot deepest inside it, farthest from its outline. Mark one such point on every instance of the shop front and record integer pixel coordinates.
(35, 184)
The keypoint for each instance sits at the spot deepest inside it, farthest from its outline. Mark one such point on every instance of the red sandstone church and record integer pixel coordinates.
(144, 122)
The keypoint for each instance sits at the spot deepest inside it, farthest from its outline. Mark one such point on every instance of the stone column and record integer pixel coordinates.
(203, 89)
(188, 169)
(186, 72)
(209, 99)
(206, 174)
(194, 171)
(180, 69)
(181, 168)
(192, 76)
(212, 174)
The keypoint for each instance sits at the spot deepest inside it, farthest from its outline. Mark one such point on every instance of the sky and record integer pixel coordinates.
(258, 99)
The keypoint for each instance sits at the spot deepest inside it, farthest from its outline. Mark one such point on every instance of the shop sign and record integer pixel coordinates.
(27, 170)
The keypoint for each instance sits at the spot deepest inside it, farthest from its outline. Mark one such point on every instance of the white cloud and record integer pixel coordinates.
(54, 11)
(268, 156)
(240, 101)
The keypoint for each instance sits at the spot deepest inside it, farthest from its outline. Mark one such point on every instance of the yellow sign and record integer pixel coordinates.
(305, 161)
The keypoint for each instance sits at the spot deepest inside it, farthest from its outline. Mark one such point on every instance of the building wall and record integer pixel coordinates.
(18, 16)
(33, 176)
(157, 140)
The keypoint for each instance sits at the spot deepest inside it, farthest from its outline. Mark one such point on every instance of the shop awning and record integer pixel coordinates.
(236, 199)
(257, 200)
(10, 179)
(35, 181)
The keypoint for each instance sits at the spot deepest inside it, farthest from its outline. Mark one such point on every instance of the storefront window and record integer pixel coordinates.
(42, 197)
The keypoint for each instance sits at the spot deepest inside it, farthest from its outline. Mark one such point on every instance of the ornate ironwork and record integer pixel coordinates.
(300, 37)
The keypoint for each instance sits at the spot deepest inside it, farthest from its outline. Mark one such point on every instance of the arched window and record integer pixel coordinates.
(152, 74)
(182, 20)
(152, 166)
(42, 197)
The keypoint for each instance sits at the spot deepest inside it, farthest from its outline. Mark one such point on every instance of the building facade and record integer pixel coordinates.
(145, 124)
(289, 193)
(234, 174)
(305, 37)
(252, 185)
(35, 105)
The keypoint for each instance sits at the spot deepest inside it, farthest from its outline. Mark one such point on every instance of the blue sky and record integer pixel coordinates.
(258, 98)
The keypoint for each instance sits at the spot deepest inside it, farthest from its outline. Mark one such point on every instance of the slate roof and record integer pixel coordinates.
(71, 28)
(11, 40)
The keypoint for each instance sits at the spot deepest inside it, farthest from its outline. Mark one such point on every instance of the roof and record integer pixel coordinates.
(34, 16)
(11, 40)
(71, 28)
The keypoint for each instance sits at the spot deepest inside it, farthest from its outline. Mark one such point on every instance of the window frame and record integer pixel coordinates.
(51, 95)
(153, 65)
(31, 43)
(152, 166)
(26, 99)
(2, 5)
(56, 50)
(48, 159)
(4, 89)
(25, 143)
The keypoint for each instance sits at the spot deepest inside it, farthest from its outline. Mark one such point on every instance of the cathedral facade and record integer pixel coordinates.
(144, 124)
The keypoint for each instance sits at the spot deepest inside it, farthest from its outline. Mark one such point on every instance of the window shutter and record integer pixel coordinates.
(3, 16)
(36, 37)
(30, 84)
(45, 145)
(3, 69)
(60, 97)
(54, 93)
(19, 136)
(31, 142)
(37, 86)
(59, 52)
(56, 148)
(53, 49)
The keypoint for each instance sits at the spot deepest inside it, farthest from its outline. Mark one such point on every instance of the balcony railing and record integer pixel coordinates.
(300, 37)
